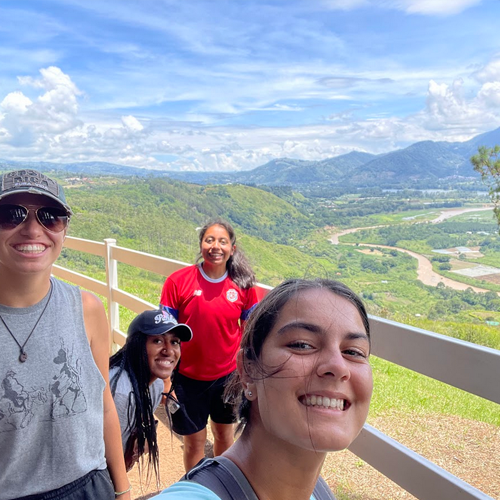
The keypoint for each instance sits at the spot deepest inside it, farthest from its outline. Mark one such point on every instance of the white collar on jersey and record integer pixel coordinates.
(212, 280)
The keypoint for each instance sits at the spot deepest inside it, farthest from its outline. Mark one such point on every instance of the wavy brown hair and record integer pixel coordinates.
(259, 325)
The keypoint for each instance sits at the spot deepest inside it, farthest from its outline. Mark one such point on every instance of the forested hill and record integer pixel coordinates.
(160, 207)
(296, 172)
(160, 216)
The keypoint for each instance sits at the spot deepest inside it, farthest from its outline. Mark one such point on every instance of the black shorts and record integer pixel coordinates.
(199, 399)
(94, 485)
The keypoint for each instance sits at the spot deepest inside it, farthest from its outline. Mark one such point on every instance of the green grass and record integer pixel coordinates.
(397, 388)
(477, 282)
(484, 216)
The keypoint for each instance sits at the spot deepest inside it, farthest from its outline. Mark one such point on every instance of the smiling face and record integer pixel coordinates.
(319, 398)
(29, 248)
(216, 248)
(163, 353)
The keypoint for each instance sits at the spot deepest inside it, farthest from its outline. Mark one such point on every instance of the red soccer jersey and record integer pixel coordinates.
(213, 309)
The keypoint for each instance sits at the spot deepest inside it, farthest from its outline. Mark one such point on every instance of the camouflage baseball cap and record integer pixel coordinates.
(34, 182)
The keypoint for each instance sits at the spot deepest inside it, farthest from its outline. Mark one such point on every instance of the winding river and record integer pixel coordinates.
(425, 273)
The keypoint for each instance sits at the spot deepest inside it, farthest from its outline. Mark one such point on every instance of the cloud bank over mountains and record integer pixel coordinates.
(235, 94)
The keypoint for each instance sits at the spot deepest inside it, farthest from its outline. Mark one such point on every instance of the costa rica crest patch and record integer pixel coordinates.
(232, 295)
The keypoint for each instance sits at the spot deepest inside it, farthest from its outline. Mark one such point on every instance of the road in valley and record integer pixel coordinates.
(425, 273)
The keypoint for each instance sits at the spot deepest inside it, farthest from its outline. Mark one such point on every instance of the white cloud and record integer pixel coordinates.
(52, 78)
(50, 127)
(132, 123)
(489, 94)
(280, 107)
(445, 103)
(438, 7)
(16, 102)
(425, 7)
(53, 112)
(450, 113)
(490, 72)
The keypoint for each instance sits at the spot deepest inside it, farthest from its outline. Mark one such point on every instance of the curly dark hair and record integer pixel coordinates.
(260, 323)
(238, 267)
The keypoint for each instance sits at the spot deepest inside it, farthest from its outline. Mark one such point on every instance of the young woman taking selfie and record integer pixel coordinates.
(303, 388)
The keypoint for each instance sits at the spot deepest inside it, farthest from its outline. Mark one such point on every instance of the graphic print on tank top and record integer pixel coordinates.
(68, 396)
(23, 398)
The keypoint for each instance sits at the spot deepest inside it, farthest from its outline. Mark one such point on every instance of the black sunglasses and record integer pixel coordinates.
(53, 219)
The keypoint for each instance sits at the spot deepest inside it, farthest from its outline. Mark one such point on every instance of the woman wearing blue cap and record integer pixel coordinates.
(59, 430)
(137, 372)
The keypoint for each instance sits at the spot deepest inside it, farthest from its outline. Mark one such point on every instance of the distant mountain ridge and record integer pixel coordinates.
(88, 168)
(425, 162)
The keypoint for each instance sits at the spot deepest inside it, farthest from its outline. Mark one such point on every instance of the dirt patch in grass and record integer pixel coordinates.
(371, 252)
(492, 278)
(460, 264)
(390, 297)
(466, 448)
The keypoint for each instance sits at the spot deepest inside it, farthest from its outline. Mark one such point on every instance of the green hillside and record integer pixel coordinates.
(161, 215)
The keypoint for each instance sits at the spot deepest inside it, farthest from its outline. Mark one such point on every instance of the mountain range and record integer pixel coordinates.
(425, 163)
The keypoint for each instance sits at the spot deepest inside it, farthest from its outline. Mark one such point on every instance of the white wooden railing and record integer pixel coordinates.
(470, 367)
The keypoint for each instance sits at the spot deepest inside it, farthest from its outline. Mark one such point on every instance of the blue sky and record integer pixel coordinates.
(229, 85)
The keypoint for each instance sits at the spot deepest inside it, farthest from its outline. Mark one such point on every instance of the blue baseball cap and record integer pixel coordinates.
(156, 322)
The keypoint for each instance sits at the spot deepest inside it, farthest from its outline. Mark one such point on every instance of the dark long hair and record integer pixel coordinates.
(259, 325)
(238, 267)
(133, 359)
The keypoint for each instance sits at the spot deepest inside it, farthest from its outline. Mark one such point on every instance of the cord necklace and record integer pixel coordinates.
(23, 356)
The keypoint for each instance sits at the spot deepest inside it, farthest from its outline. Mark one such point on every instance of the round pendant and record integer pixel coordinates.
(23, 357)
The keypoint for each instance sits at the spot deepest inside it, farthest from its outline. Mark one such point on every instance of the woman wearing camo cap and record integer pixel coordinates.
(60, 435)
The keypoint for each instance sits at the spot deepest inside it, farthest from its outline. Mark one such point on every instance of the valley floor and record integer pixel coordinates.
(425, 272)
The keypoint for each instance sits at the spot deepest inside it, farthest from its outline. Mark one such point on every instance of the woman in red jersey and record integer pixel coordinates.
(213, 297)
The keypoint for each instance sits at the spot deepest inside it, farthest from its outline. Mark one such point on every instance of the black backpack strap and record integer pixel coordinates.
(223, 477)
(322, 490)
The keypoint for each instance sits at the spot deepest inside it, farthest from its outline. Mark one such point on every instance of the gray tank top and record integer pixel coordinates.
(51, 406)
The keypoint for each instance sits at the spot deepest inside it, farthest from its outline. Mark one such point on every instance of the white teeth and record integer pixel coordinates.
(30, 248)
(324, 401)
(165, 361)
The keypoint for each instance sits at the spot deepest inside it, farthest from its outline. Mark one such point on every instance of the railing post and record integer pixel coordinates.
(112, 282)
